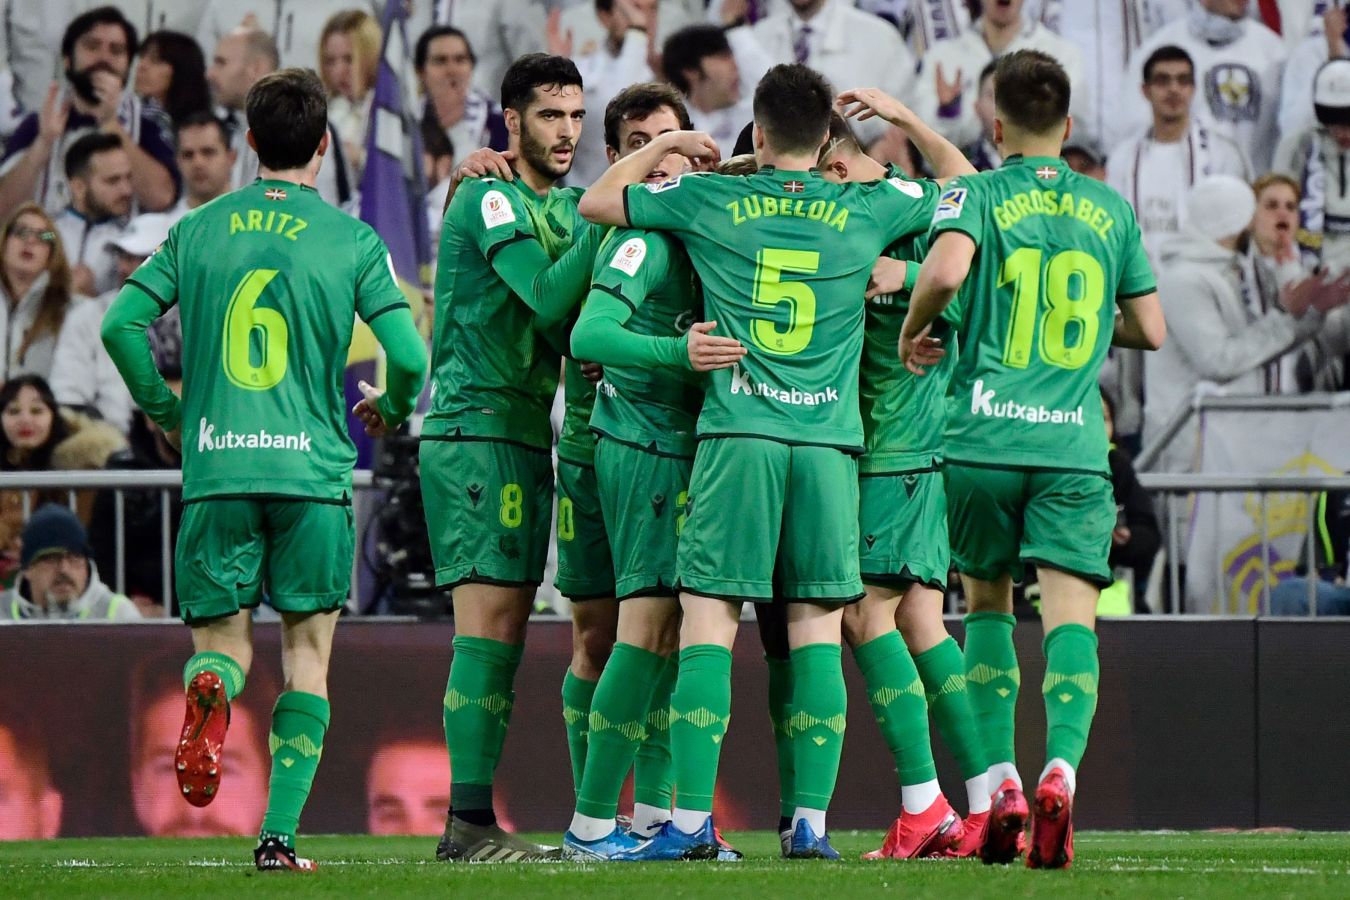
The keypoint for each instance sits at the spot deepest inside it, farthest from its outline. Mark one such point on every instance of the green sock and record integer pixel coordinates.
(653, 774)
(819, 709)
(992, 679)
(477, 708)
(897, 698)
(299, 721)
(617, 726)
(577, 696)
(1070, 690)
(943, 671)
(780, 714)
(230, 672)
(700, 711)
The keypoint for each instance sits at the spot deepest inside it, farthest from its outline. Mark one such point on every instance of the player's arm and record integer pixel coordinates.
(600, 336)
(603, 202)
(123, 333)
(940, 277)
(381, 304)
(551, 289)
(1139, 323)
(945, 157)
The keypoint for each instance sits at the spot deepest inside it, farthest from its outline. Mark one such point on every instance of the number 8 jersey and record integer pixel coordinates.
(784, 258)
(268, 280)
(1054, 252)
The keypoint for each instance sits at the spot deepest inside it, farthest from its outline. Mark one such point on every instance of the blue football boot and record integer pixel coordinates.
(807, 845)
(672, 844)
(617, 846)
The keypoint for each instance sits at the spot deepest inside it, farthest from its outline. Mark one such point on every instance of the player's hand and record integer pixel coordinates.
(1120, 536)
(54, 114)
(707, 351)
(948, 92)
(920, 352)
(888, 277)
(175, 439)
(592, 372)
(693, 145)
(483, 163)
(867, 103)
(559, 41)
(367, 411)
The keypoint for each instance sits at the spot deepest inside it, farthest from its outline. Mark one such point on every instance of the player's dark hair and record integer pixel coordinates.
(288, 114)
(638, 101)
(203, 118)
(1166, 53)
(423, 48)
(793, 105)
(686, 49)
(536, 70)
(82, 152)
(842, 137)
(987, 72)
(86, 22)
(1031, 91)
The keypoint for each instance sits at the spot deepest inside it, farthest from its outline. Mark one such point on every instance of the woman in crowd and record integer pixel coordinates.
(1275, 225)
(171, 75)
(349, 53)
(35, 289)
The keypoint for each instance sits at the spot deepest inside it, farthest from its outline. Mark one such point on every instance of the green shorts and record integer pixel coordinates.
(585, 568)
(488, 505)
(231, 550)
(1003, 519)
(761, 512)
(903, 521)
(643, 495)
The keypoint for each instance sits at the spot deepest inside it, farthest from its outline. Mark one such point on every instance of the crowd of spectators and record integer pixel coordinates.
(1224, 123)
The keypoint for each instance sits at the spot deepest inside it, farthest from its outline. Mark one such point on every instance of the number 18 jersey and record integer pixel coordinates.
(269, 280)
(1054, 252)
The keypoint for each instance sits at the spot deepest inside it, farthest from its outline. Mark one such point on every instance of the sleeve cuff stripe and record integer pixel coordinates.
(497, 247)
(164, 306)
(627, 218)
(614, 292)
(402, 304)
(1135, 294)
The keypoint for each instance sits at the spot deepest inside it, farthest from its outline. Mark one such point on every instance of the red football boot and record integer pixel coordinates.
(914, 835)
(1052, 824)
(972, 836)
(197, 760)
(1004, 840)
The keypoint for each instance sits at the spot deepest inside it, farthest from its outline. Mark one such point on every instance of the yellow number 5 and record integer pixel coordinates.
(771, 290)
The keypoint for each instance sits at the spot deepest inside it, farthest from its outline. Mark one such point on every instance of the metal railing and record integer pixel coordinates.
(168, 482)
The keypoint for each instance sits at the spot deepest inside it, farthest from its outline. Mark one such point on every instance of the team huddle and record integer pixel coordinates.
(797, 379)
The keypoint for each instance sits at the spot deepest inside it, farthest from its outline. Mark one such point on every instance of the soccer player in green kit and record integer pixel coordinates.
(514, 261)
(784, 257)
(903, 519)
(1051, 272)
(268, 280)
(637, 323)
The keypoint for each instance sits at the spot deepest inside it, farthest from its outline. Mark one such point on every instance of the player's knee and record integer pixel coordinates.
(592, 642)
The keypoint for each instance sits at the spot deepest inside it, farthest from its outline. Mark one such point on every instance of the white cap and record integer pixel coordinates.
(1331, 92)
(143, 234)
(1220, 206)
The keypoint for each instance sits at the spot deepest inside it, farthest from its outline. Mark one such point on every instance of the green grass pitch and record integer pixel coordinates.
(1109, 864)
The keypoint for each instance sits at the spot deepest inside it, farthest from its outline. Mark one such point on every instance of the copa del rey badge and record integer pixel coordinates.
(275, 193)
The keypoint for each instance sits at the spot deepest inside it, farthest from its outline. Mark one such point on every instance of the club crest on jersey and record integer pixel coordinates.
(907, 187)
(1047, 172)
(629, 257)
(275, 193)
(950, 204)
(665, 185)
(793, 187)
(496, 210)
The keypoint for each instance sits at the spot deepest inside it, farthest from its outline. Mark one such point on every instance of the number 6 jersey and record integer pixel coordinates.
(784, 258)
(1054, 252)
(268, 280)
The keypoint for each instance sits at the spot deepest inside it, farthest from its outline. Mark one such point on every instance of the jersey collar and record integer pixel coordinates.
(277, 182)
(786, 174)
(1034, 162)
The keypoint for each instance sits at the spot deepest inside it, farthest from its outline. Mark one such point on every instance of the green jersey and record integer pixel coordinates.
(1053, 250)
(903, 413)
(494, 374)
(269, 280)
(784, 259)
(652, 408)
(576, 444)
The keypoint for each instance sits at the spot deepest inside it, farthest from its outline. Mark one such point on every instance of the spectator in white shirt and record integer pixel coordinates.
(588, 30)
(1155, 168)
(700, 63)
(851, 48)
(206, 160)
(469, 118)
(1318, 159)
(947, 85)
(1305, 60)
(349, 55)
(293, 25)
(1238, 64)
(99, 171)
(83, 375)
